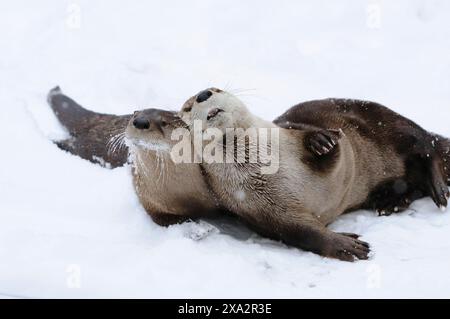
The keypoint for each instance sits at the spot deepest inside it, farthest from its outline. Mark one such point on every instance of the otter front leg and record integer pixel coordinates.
(309, 234)
(342, 246)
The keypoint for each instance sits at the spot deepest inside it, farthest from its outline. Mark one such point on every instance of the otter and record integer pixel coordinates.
(335, 156)
(421, 170)
(169, 193)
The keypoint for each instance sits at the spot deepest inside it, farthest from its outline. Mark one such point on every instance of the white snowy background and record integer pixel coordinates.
(69, 228)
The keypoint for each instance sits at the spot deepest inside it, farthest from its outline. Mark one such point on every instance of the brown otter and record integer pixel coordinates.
(170, 193)
(379, 153)
(91, 133)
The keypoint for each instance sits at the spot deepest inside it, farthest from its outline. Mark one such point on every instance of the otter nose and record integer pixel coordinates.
(203, 96)
(141, 123)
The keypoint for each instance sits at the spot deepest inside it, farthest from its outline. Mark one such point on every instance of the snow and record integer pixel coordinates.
(69, 228)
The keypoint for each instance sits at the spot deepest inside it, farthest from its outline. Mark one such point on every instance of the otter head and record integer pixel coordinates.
(216, 108)
(151, 130)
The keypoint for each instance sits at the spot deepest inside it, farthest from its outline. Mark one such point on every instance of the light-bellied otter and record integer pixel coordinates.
(363, 152)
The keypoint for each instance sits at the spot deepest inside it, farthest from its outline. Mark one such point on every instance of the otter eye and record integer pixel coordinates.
(187, 109)
(213, 113)
(163, 123)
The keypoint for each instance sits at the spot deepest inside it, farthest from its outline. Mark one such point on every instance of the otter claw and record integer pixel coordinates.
(323, 142)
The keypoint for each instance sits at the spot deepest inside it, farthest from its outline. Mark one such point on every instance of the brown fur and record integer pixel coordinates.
(443, 149)
(307, 193)
(383, 166)
(424, 155)
(91, 134)
(170, 194)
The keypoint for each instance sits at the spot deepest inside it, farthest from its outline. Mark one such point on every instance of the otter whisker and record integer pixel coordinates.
(157, 160)
(113, 145)
(142, 165)
(115, 142)
(119, 143)
(158, 165)
(110, 142)
(161, 166)
(240, 91)
(227, 86)
(165, 167)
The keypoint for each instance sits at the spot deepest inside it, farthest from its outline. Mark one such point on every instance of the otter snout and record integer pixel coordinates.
(141, 123)
(153, 119)
(151, 129)
(203, 96)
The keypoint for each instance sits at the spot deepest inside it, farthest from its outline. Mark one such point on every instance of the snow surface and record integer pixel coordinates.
(72, 229)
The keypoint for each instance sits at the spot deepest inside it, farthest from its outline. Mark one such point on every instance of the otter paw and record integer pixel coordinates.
(323, 142)
(347, 247)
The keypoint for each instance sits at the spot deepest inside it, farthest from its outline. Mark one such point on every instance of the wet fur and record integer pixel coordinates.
(295, 204)
(293, 219)
(425, 156)
(93, 136)
(169, 193)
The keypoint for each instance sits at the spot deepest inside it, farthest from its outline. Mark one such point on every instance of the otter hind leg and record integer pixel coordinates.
(426, 161)
(393, 205)
(443, 148)
(394, 196)
(437, 182)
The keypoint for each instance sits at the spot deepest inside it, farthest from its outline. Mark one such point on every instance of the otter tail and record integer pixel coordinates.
(93, 136)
